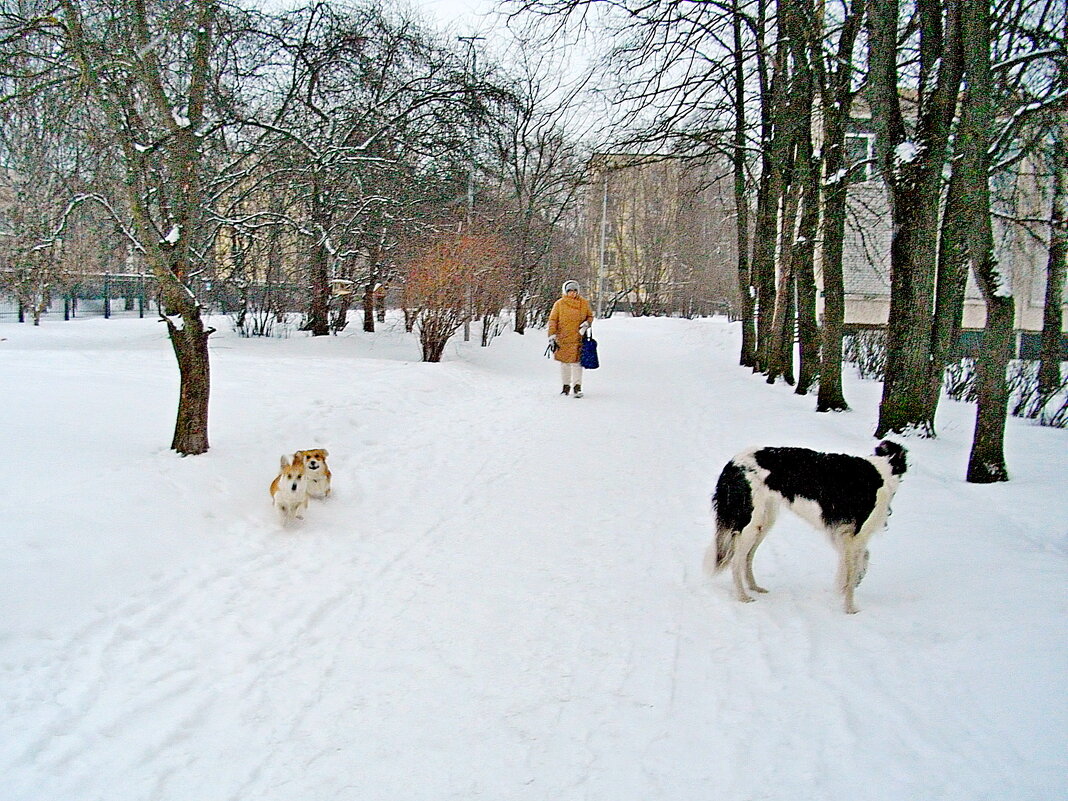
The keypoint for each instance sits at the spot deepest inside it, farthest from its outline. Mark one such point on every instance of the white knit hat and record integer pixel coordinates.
(569, 284)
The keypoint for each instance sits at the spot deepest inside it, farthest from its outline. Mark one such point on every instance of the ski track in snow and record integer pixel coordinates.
(503, 599)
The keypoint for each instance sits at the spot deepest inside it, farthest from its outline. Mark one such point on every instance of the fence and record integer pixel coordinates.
(91, 296)
(129, 294)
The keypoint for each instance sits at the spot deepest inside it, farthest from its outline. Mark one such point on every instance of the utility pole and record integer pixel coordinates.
(604, 223)
(472, 56)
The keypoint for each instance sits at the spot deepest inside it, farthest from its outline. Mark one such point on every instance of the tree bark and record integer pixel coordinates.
(836, 94)
(769, 194)
(986, 464)
(913, 172)
(1049, 370)
(190, 343)
(319, 310)
(806, 174)
(952, 276)
(747, 357)
(369, 307)
(780, 345)
(831, 398)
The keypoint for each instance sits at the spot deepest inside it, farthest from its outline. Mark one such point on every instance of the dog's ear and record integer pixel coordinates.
(285, 461)
(325, 453)
(895, 454)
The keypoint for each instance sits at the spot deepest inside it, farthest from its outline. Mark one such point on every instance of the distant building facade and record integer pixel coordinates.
(660, 237)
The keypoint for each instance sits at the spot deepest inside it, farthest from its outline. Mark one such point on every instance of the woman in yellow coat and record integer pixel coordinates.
(570, 318)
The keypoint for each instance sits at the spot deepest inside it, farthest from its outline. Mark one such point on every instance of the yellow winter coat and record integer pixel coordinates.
(564, 321)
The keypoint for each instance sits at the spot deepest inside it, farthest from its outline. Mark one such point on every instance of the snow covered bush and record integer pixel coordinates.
(1025, 399)
(866, 349)
(958, 380)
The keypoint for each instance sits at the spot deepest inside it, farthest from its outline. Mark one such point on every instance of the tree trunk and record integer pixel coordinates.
(904, 407)
(913, 172)
(769, 194)
(319, 311)
(341, 314)
(804, 246)
(747, 358)
(986, 463)
(1049, 370)
(780, 346)
(521, 313)
(763, 266)
(831, 398)
(190, 343)
(836, 95)
(952, 277)
(369, 307)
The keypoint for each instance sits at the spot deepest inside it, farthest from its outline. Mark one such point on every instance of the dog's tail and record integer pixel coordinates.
(733, 505)
(720, 553)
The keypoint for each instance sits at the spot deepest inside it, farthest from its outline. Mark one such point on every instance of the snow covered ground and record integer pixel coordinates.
(504, 598)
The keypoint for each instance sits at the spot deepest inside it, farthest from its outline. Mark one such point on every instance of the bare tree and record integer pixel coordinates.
(1049, 374)
(436, 282)
(986, 463)
(35, 204)
(542, 170)
(147, 70)
(739, 163)
(370, 104)
(835, 72)
(912, 164)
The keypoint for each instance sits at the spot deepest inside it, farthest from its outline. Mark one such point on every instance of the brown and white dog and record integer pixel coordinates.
(316, 471)
(289, 490)
(846, 496)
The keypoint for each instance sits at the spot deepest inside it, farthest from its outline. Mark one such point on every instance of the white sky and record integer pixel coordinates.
(461, 15)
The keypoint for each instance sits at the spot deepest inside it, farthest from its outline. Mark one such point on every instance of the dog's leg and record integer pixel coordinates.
(768, 519)
(840, 537)
(740, 564)
(862, 566)
(850, 556)
(749, 566)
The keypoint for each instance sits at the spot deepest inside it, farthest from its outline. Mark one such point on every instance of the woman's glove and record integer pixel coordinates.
(552, 341)
(584, 328)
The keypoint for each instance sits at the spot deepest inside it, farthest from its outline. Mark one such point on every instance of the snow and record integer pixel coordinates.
(503, 599)
(838, 176)
(173, 235)
(906, 152)
(180, 118)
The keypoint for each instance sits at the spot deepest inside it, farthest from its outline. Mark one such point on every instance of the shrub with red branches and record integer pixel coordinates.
(454, 278)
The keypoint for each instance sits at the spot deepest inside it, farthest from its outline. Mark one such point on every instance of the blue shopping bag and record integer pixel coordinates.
(588, 358)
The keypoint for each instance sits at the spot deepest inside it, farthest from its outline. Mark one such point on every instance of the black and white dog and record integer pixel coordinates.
(846, 496)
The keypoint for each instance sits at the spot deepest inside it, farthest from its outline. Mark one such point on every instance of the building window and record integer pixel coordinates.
(860, 150)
